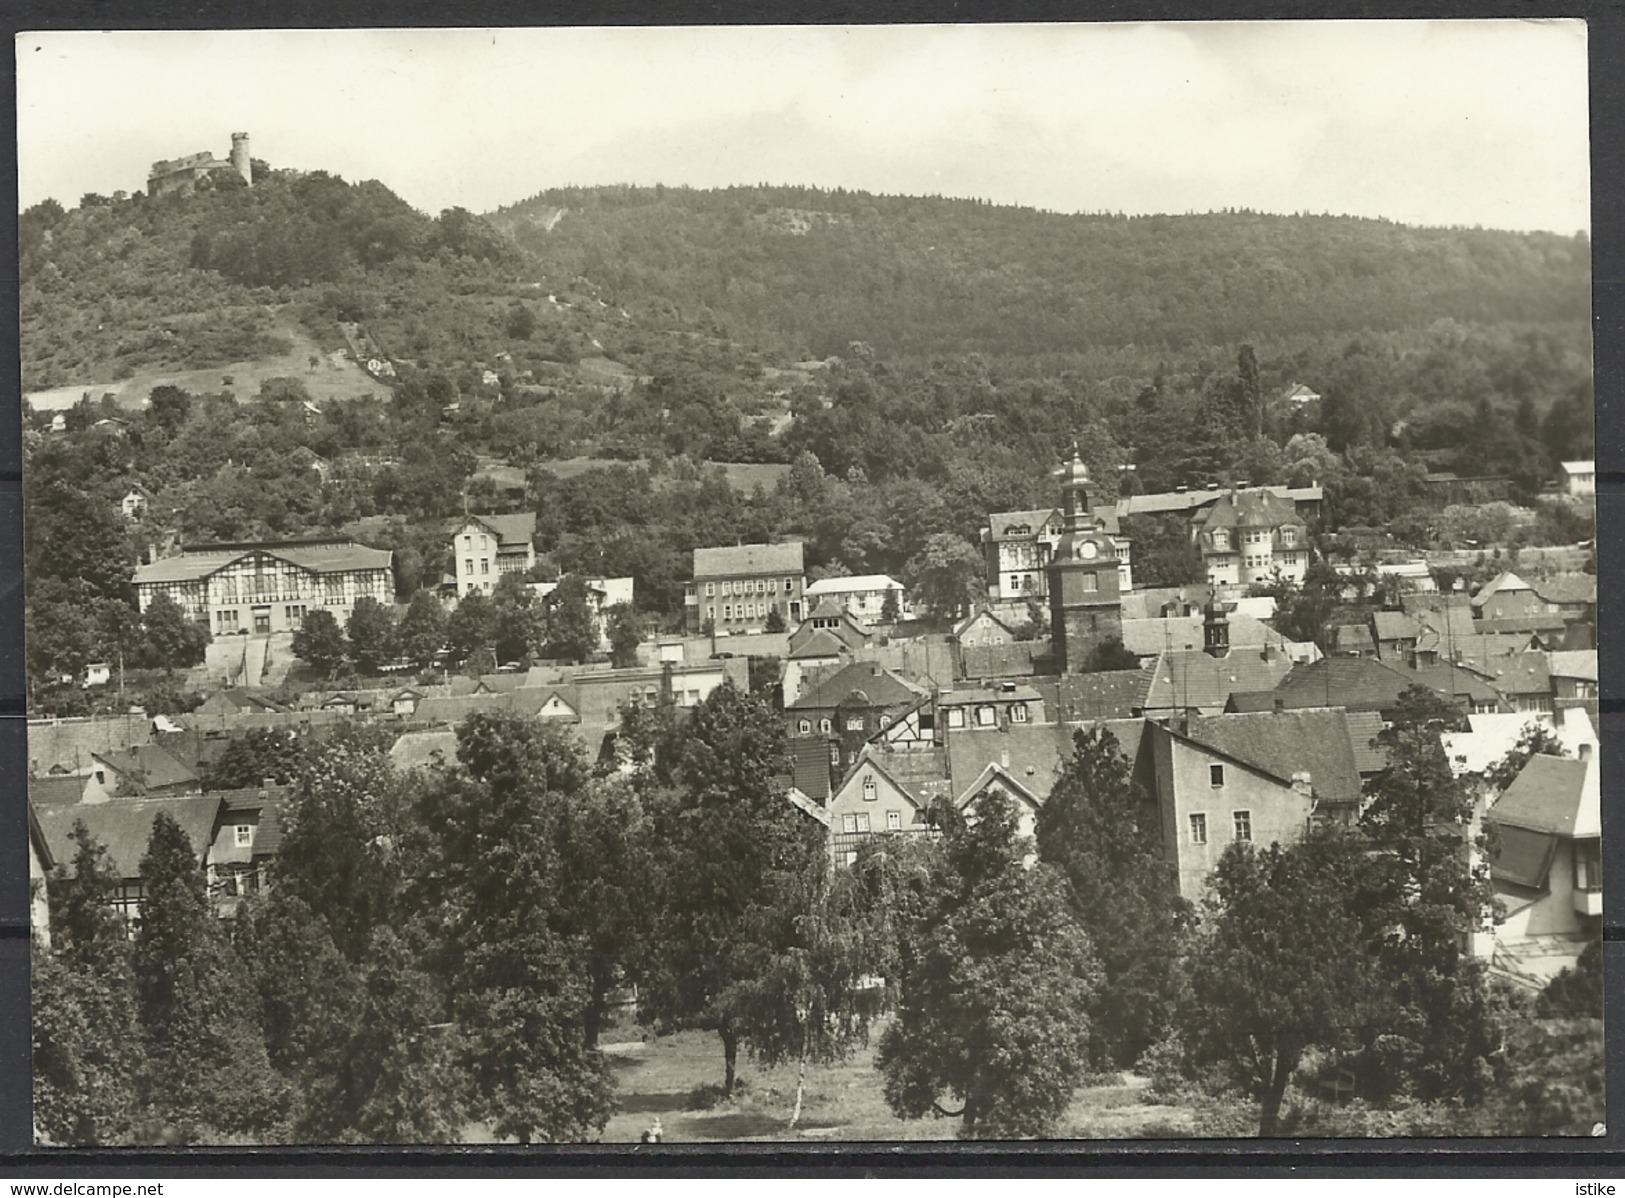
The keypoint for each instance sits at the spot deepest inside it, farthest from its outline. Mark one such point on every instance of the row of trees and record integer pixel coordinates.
(447, 947)
(510, 624)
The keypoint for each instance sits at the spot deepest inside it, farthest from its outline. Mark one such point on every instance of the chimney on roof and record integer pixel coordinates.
(1004, 758)
(266, 784)
(1280, 703)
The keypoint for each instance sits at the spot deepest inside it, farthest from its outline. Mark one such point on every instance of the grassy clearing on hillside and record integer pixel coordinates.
(334, 377)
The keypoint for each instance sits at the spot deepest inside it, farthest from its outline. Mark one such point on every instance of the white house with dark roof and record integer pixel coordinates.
(267, 586)
(1249, 536)
(124, 827)
(1548, 868)
(484, 548)
(1018, 547)
(863, 596)
(735, 587)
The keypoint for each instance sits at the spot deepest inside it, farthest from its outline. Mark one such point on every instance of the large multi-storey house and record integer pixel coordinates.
(1249, 537)
(1019, 547)
(484, 548)
(267, 586)
(736, 587)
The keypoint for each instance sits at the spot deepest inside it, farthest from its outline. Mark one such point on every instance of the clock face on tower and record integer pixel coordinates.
(1089, 549)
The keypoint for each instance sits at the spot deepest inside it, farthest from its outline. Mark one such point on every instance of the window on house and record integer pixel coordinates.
(1243, 821)
(789, 586)
(835, 754)
(849, 822)
(710, 589)
(894, 821)
(485, 565)
(854, 723)
(468, 542)
(1588, 865)
(727, 611)
(870, 791)
(804, 727)
(245, 835)
(1215, 775)
(825, 727)
(986, 716)
(1091, 582)
(956, 717)
(468, 565)
(1018, 713)
(851, 856)
(1198, 829)
(1289, 536)
(863, 821)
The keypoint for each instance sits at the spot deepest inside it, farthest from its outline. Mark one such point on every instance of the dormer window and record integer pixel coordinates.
(245, 835)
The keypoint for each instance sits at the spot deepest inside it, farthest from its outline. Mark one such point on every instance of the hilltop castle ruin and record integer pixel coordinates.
(180, 174)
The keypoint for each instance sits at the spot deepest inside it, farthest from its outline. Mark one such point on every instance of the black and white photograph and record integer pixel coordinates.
(810, 584)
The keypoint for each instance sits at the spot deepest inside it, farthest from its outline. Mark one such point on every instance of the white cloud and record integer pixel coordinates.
(1442, 122)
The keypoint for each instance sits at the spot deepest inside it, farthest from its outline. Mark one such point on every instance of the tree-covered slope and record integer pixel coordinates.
(807, 271)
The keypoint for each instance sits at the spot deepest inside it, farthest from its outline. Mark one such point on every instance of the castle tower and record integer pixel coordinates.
(239, 157)
(1085, 604)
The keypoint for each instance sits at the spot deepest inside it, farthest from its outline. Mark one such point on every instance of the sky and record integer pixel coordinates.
(1438, 123)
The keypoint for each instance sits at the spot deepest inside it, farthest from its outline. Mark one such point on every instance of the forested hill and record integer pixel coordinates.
(807, 271)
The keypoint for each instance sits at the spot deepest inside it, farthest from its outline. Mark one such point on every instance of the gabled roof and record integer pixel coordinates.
(1191, 678)
(852, 582)
(1504, 582)
(124, 826)
(1285, 743)
(1018, 659)
(152, 765)
(1148, 637)
(809, 766)
(984, 614)
(515, 530)
(1558, 795)
(1369, 756)
(1574, 663)
(1524, 673)
(239, 698)
(1032, 754)
(871, 760)
(1365, 684)
(36, 837)
(1567, 588)
(827, 608)
(999, 524)
(326, 557)
(727, 561)
(822, 643)
(1258, 508)
(268, 803)
(880, 687)
(55, 790)
(1349, 638)
(1395, 626)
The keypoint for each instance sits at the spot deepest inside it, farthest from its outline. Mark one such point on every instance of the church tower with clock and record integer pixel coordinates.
(1085, 603)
